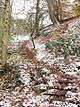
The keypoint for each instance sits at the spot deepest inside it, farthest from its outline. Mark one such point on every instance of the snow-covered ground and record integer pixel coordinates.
(44, 88)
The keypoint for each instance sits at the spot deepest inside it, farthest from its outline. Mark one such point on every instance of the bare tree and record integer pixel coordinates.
(59, 8)
(37, 17)
(55, 10)
(6, 31)
(1, 18)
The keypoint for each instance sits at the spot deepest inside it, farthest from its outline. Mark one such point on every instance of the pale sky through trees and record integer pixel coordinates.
(71, 1)
(21, 7)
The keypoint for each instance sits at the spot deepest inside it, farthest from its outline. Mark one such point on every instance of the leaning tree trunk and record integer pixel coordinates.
(6, 31)
(53, 10)
(60, 13)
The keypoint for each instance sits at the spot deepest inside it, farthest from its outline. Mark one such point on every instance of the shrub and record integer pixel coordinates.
(68, 46)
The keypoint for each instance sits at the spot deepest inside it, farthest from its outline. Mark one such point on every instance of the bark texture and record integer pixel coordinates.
(55, 10)
(37, 18)
(6, 31)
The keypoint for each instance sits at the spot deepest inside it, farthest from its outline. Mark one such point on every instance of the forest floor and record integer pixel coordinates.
(50, 83)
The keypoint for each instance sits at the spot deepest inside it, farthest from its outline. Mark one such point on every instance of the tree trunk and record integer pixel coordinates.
(51, 10)
(37, 18)
(6, 31)
(60, 14)
(54, 9)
